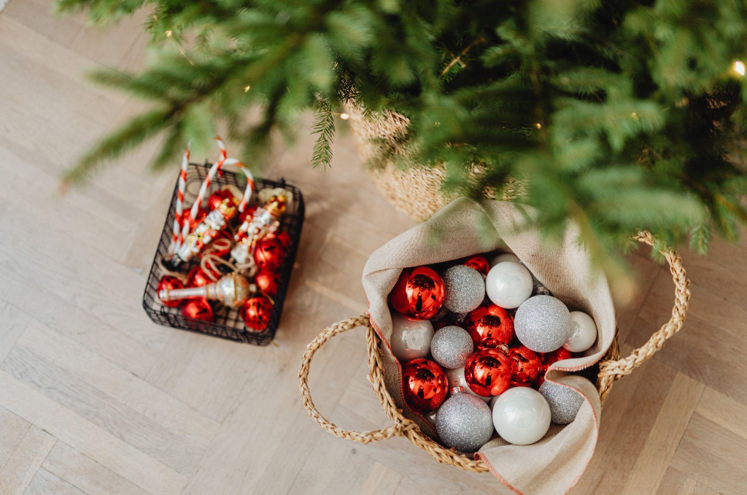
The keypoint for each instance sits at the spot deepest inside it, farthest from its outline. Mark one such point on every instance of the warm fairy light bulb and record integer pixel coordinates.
(739, 67)
(538, 125)
(344, 116)
(168, 33)
(246, 89)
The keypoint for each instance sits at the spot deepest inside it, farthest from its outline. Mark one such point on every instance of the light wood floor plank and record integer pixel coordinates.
(89, 439)
(12, 431)
(12, 325)
(100, 409)
(46, 483)
(86, 474)
(662, 442)
(134, 392)
(20, 469)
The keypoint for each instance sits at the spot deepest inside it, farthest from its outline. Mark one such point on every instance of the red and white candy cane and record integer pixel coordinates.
(210, 176)
(178, 235)
(249, 182)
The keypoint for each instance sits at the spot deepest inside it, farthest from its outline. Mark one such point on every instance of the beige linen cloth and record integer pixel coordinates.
(463, 228)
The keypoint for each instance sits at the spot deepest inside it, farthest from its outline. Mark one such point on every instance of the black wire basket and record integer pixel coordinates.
(228, 323)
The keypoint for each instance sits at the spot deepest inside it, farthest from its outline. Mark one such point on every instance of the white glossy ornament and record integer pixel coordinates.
(503, 257)
(521, 416)
(411, 339)
(509, 284)
(456, 379)
(583, 332)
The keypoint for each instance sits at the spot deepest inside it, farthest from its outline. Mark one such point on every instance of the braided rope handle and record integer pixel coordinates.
(375, 377)
(610, 371)
(402, 427)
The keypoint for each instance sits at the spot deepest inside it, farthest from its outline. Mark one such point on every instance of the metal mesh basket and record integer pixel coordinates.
(228, 323)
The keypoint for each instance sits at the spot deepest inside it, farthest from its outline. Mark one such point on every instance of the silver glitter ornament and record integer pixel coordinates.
(543, 323)
(464, 287)
(564, 402)
(464, 422)
(451, 346)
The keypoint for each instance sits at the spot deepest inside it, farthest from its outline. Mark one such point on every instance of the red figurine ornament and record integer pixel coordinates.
(418, 294)
(488, 372)
(425, 385)
(490, 326)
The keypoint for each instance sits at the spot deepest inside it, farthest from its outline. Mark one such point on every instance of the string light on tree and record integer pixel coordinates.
(740, 68)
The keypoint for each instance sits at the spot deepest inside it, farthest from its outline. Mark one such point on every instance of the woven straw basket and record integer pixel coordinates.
(416, 191)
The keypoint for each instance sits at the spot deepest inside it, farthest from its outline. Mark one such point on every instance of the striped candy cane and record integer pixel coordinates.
(249, 182)
(211, 175)
(178, 236)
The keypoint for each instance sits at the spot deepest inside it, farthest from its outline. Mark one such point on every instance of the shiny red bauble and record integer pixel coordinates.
(269, 254)
(281, 236)
(490, 326)
(479, 263)
(170, 283)
(256, 313)
(425, 385)
(549, 358)
(268, 282)
(419, 293)
(198, 277)
(525, 365)
(488, 372)
(198, 309)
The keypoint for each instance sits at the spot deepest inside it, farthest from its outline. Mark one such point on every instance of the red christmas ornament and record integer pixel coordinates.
(267, 282)
(488, 372)
(425, 385)
(281, 236)
(269, 254)
(549, 358)
(256, 313)
(479, 263)
(198, 277)
(170, 283)
(490, 326)
(525, 365)
(198, 309)
(418, 294)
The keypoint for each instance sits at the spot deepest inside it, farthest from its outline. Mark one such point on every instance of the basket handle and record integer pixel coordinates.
(398, 429)
(612, 370)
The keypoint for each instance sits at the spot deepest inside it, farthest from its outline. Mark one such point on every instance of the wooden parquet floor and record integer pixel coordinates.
(95, 399)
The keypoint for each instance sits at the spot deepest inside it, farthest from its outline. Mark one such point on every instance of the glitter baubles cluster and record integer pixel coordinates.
(485, 329)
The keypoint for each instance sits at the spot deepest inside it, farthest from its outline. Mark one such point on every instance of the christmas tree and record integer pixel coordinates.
(618, 115)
